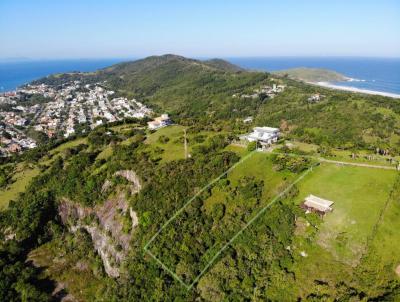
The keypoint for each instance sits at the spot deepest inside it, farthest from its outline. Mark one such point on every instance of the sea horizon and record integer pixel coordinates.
(381, 74)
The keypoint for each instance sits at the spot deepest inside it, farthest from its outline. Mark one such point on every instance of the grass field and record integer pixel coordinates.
(24, 173)
(385, 244)
(346, 155)
(359, 195)
(105, 153)
(21, 179)
(173, 149)
(240, 150)
(259, 166)
(304, 146)
(69, 144)
(333, 247)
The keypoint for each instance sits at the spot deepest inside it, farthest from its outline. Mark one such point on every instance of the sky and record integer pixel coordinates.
(53, 29)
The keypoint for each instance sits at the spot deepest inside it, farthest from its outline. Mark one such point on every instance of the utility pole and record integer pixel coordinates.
(185, 143)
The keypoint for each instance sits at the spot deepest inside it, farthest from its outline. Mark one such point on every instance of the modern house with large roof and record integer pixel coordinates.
(159, 122)
(266, 136)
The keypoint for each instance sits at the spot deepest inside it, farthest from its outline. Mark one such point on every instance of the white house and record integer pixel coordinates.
(69, 131)
(264, 135)
(315, 97)
(248, 119)
(159, 122)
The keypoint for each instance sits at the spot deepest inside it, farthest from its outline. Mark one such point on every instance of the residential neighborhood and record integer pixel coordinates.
(59, 110)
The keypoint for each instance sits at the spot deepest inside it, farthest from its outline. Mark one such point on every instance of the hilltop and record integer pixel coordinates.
(203, 90)
(152, 62)
(312, 74)
(223, 65)
(172, 83)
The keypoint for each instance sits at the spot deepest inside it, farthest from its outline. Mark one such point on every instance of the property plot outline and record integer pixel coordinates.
(146, 247)
(252, 220)
(233, 238)
(194, 197)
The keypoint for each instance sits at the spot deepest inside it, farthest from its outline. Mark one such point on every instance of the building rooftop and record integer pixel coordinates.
(266, 129)
(317, 203)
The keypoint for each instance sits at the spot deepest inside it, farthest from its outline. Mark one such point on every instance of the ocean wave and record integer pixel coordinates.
(355, 80)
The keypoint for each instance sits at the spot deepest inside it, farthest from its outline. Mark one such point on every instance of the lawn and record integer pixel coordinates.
(359, 195)
(21, 179)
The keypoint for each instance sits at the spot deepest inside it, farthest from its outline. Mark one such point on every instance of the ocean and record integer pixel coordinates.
(378, 74)
(14, 74)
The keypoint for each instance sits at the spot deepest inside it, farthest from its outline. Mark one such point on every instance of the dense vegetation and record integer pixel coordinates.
(37, 252)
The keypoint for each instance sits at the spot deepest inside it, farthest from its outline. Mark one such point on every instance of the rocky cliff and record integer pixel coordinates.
(110, 225)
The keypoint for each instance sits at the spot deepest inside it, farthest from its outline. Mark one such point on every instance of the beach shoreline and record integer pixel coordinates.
(354, 89)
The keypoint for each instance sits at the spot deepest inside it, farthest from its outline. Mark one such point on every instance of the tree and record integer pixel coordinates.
(252, 146)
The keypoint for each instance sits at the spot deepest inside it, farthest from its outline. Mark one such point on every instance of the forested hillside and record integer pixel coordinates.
(123, 213)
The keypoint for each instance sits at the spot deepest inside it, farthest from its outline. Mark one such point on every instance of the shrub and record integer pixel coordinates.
(252, 146)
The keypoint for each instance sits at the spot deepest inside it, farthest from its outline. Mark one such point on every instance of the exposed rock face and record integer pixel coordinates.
(107, 184)
(105, 224)
(9, 234)
(60, 295)
(398, 270)
(131, 177)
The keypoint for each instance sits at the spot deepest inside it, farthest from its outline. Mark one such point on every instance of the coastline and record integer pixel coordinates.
(354, 89)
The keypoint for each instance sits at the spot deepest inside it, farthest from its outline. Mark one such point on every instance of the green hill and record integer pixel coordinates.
(202, 90)
(223, 65)
(174, 83)
(312, 74)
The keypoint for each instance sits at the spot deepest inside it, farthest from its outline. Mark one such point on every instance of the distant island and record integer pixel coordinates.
(313, 75)
(327, 78)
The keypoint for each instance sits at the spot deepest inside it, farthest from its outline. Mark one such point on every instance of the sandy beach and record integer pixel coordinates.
(354, 89)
